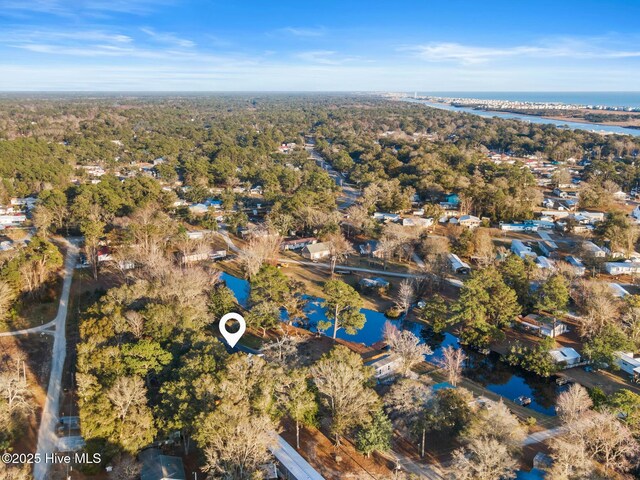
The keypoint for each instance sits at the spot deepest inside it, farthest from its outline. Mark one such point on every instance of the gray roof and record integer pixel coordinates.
(156, 466)
(317, 247)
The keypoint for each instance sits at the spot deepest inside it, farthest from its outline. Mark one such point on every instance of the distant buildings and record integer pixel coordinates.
(298, 243)
(385, 216)
(469, 221)
(417, 222)
(622, 268)
(522, 250)
(519, 227)
(577, 264)
(457, 265)
(593, 250)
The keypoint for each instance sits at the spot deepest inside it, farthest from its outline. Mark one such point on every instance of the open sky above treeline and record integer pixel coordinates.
(203, 45)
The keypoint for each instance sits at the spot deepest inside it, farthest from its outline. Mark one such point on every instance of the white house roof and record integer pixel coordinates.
(618, 290)
(564, 354)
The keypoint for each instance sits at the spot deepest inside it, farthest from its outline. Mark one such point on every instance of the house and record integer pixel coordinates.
(26, 203)
(417, 222)
(618, 290)
(187, 258)
(384, 216)
(543, 326)
(156, 466)
(385, 365)
(217, 254)
(629, 363)
(256, 190)
(6, 244)
(522, 250)
(560, 193)
(577, 264)
(371, 248)
(469, 221)
(548, 247)
(622, 268)
(548, 203)
(519, 227)
(291, 465)
(452, 199)
(373, 283)
(197, 234)
(297, 243)
(457, 265)
(593, 250)
(198, 208)
(565, 356)
(620, 196)
(316, 251)
(104, 254)
(593, 217)
(544, 262)
(12, 220)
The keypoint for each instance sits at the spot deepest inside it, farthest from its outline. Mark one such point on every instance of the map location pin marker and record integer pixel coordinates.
(232, 337)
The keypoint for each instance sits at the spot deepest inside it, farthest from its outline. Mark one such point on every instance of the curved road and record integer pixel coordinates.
(47, 437)
(45, 328)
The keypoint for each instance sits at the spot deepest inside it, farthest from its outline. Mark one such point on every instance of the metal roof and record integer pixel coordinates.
(297, 467)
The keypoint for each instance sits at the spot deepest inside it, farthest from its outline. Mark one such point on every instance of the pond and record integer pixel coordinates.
(487, 370)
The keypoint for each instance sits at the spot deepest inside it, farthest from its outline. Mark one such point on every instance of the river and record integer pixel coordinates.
(487, 370)
(591, 127)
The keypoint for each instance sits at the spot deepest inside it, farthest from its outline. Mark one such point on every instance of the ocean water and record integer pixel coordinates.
(609, 99)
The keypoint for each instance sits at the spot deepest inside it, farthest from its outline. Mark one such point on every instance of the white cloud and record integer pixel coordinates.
(554, 48)
(79, 7)
(168, 38)
(303, 31)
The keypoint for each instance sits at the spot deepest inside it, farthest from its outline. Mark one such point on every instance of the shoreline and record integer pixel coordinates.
(633, 123)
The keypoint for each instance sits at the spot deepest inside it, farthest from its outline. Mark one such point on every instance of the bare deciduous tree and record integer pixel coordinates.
(339, 249)
(125, 394)
(282, 350)
(14, 388)
(573, 403)
(484, 250)
(125, 468)
(597, 305)
(483, 459)
(235, 441)
(407, 346)
(452, 362)
(405, 296)
(135, 322)
(499, 423)
(341, 379)
(262, 246)
(7, 295)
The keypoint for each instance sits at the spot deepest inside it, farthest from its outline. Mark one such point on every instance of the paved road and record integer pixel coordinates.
(45, 328)
(47, 437)
(543, 435)
(349, 193)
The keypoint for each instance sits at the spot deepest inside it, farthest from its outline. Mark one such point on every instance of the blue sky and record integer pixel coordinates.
(210, 45)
